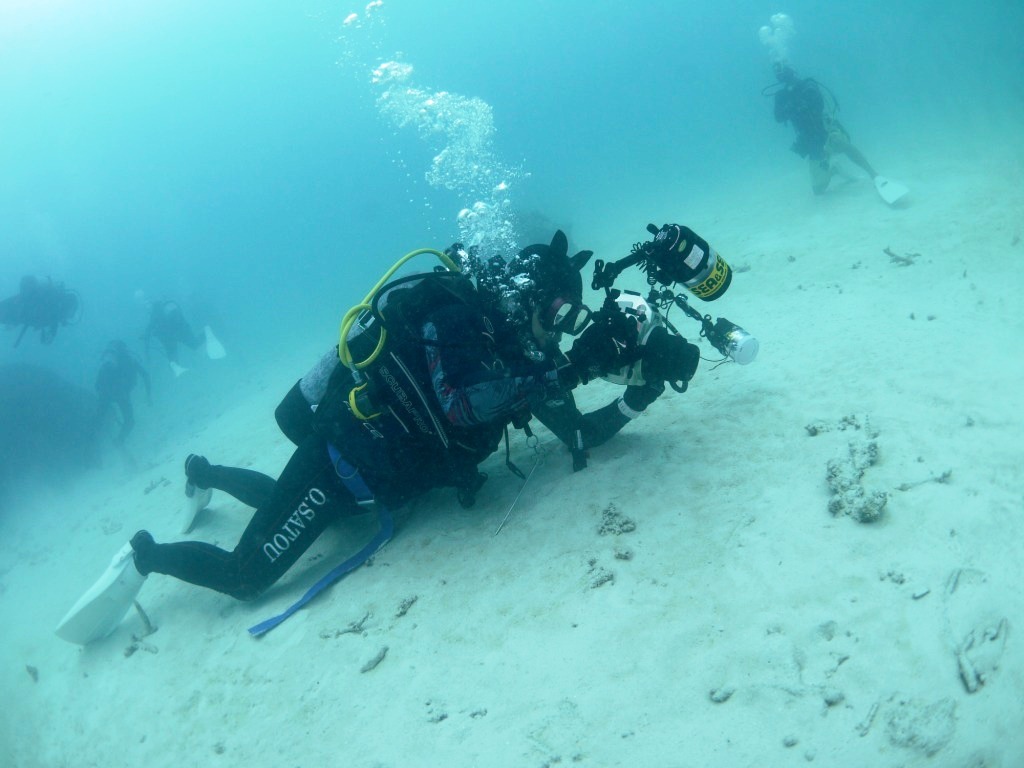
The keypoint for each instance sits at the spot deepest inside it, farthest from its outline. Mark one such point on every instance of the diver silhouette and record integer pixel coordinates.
(42, 306)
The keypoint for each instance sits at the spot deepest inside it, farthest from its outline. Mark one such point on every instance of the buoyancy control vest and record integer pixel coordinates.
(382, 413)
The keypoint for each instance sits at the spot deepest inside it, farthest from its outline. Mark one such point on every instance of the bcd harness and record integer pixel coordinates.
(380, 410)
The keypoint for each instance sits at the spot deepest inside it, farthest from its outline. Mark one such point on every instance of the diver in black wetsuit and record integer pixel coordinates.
(429, 410)
(812, 111)
(666, 358)
(42, 306)
(552, 287)
(117, 377)
(167, 324)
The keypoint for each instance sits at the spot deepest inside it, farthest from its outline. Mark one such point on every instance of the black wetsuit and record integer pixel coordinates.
(291, 513)
(589, 430)
(167, 323)
(476, 393)
(115, 381)
(803, 105)
(664, 357)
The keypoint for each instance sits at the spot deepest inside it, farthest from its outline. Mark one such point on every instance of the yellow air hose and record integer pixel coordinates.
(352, 315)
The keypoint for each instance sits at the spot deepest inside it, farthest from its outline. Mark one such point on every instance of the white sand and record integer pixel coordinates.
(743, 624)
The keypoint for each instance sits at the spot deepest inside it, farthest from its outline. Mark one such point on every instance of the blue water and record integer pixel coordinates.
(235, 157)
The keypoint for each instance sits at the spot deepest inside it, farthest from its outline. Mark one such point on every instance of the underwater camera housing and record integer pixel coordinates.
(677, 255)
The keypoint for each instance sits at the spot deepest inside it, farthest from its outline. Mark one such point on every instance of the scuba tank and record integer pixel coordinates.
(380, 410)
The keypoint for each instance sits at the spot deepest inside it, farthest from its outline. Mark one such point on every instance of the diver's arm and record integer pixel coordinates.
(560, 416)
(601, 425)
(580, 432)
(473, 385)
(485, 394)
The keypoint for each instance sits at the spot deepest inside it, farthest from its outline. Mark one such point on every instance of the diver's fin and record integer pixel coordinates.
(890, 190)
(178, 369)
(196, 500)
(98, 612)
(214, 349)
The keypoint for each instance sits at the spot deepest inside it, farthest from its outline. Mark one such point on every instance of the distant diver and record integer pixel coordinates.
(168, 325)
(41, 306)
(117, 377)
(812, 110)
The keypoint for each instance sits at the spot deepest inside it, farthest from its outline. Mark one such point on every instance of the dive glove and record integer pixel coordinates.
(669, 357)
(594, 353)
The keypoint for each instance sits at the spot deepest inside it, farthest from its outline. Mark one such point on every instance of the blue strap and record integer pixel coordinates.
(354, 483)
(384, 533)
(350, 476)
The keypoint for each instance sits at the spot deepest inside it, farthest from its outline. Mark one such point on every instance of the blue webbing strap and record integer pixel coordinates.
(350, 477)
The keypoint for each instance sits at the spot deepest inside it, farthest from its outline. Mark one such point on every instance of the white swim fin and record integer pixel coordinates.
(98, 612)
(196, 500)
(890, 190)
(214, 349)
(178, 369)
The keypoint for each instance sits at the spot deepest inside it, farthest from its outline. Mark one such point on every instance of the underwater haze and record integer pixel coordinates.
(233, 156)
(254, 161)
(262, 163)
(815, 559)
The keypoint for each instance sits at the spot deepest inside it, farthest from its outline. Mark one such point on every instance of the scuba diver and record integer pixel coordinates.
(812, 110)
(467, 362)
(429, 371)
(40, 306)
(115, 380)
(653, 353)
(662, 356)
(548, 299)
(168, 325)
(420, 390)
(534, 300)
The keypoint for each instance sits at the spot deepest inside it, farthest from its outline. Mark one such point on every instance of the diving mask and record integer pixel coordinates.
(566, 316)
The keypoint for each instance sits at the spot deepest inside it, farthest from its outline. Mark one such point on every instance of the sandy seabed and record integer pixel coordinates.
(701, 595)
